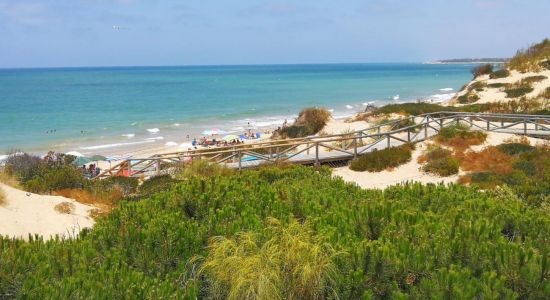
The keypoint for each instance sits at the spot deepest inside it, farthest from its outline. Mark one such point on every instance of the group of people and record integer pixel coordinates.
(214, 142)
(90, 172)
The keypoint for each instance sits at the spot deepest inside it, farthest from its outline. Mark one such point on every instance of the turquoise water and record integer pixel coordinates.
(100, 109)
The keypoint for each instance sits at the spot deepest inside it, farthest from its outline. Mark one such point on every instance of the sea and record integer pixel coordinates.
(112, 109)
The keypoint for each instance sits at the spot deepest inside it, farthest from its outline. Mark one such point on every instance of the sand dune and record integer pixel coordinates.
(27, 213)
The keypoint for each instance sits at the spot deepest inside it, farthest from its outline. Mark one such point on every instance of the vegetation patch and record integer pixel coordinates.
(530, 59)
(172, 245)
(502, 73)
(546, 93)
(515, 148)
(489, 159)
(309, 122)
(379, 160)
(482, 70)
(439, 161)
(496, 85)
(545, 64)
(478, 86)
(460, 136)
(516, 92)
(287, 262)
(2, 197)
(533, 79)
(65, 208)
(468, 98)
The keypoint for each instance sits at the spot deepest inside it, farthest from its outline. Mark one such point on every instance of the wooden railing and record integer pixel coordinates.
(316, 150)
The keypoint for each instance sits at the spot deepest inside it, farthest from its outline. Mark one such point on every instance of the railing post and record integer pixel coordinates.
(307, 147)
(524, 126)
(129, 168)
(157, 163)
(409, 135)
(355, 148)
(389, 143)
(426, 131)
(457, 120)
(317, 163)
(379, 129)
(488, 125)
(240, 156)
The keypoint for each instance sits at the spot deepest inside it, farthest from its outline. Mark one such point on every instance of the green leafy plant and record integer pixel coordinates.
(502, 73)
(379, 160)
(309, 122)
(482, 70)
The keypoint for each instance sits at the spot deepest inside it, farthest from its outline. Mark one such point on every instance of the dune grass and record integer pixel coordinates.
(379, 160)
(460, 136)
(439, 161)
(309, 122)
(530, 59)
(2, 197)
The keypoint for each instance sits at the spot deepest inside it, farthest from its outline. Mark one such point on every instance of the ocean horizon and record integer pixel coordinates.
(106, 109)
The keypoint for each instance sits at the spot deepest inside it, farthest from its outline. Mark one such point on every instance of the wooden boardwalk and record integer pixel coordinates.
(316, 150)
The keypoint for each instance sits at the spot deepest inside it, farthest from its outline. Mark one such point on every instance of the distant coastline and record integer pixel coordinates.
(469, 61)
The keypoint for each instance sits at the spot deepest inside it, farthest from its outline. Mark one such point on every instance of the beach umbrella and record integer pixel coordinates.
(81, 160)
(213, 131)
(230, 137)
(98, 158)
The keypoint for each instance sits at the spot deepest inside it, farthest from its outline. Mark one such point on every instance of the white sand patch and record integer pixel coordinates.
(27, 213)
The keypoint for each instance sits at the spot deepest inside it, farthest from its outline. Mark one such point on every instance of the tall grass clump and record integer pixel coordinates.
(518, 89)
(379, 160)
(530, 59)
(2, 197)
(287, 262)
(309, 122)
(482, 70)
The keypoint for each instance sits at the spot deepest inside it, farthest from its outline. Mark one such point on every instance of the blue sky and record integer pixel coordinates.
(44, 33)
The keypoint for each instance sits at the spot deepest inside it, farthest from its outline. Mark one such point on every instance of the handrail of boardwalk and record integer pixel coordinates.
(338, 147)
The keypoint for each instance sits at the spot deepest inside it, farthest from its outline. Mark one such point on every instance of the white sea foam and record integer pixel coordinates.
(349, 106)
(446, 89)
(97, 147)
(129, 135)
(441, 98)
(176, 124)
(158, 138)
(133, 124)
(169, 144)
(153, 130)
(396, 97)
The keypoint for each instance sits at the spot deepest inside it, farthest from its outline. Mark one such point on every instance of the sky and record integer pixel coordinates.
(71, 33)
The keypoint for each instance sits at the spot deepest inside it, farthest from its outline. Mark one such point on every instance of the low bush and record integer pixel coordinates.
(409, 109)
(459, 136)
(517, 92)
(533, 79)
(496, 85)
(2, 197)
(445, 166)
(65, 208)
(482, 70)
(545, 64)
(545, 94)
(55, 178)
(515, 148)
(309, 122)
(468, 98)
(203, 168)
(156, 184)
(489, 159)
(478, 86)
(502, 73)
(24, 166)
(379, 160)
(126, 185)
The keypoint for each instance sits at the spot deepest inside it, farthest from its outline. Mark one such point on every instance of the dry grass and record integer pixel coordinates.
(104, 201)
(489, 159)
(65, 208)
(289, 263)
(2, 197)
(9, 180)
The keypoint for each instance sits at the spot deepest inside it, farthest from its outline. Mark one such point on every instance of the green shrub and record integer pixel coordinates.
(478, 86)
(517, 92)
(309, 122)
(468, 98)
(444, 166)
(157, 184)
(535, 78)
(515, 148)
(203, 168)
(409, 241)
(55, 178)
(496, 85)
(379, 160)
(482, 70)
(409, 108)
(126, 185)
(545, 64)
(502, 73)
(25, 166)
